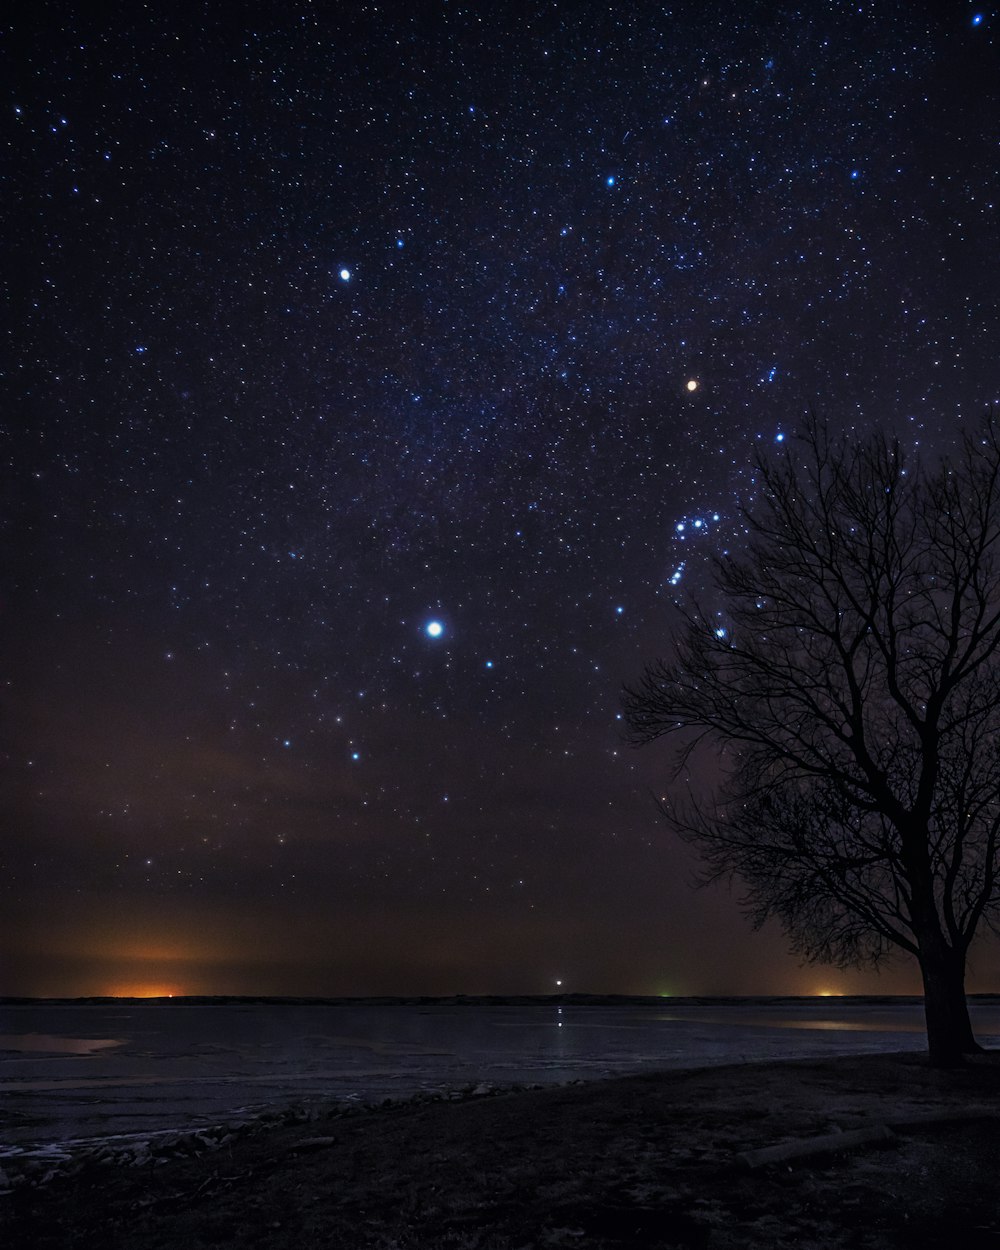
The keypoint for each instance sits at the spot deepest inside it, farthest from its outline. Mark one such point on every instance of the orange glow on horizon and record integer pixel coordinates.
(143, 990)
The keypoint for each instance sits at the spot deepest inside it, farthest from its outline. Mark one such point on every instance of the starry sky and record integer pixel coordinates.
(375, 379)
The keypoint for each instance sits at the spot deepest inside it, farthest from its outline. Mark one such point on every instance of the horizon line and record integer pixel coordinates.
(579, 998)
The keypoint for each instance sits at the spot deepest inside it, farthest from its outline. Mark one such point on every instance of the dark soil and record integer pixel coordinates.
(649, 1161)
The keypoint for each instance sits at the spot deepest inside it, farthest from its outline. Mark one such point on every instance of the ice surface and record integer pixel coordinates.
(75, 1071)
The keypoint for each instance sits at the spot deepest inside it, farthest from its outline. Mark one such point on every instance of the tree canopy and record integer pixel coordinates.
(850, 681)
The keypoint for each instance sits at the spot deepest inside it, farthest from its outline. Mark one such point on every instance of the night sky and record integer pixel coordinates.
(375, 378)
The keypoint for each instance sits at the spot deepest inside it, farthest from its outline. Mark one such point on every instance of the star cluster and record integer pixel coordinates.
(377, 377)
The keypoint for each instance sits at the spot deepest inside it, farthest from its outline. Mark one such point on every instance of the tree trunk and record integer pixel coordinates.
(960, 1006)
(949, 1029)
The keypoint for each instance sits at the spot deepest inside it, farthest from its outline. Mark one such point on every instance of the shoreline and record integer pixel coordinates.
(654, 1159)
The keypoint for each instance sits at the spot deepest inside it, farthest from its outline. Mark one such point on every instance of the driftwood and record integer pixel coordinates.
(804, 1146)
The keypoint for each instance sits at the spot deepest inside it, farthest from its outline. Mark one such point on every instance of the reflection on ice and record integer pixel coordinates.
(840, 1025)
(48, 1043)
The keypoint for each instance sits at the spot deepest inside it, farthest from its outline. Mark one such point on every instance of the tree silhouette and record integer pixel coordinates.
(850, 687)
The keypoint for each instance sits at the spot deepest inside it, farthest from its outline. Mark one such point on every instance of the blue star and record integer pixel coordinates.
(434, 629)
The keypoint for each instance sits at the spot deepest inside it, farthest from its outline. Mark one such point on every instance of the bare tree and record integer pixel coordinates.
(851, 688)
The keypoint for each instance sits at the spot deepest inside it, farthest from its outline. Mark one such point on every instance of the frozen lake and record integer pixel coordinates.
(73, 1071)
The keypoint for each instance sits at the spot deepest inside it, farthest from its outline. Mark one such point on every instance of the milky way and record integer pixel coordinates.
(376, 380)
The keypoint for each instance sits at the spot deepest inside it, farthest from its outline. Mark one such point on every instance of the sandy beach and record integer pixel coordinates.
(672, 1159)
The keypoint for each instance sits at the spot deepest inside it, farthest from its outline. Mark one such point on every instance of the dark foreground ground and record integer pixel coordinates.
(655, 1161)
